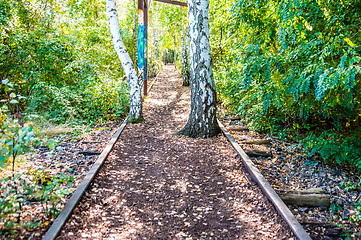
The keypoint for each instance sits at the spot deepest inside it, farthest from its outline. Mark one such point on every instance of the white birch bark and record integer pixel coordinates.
(135, 98)
(202, 119)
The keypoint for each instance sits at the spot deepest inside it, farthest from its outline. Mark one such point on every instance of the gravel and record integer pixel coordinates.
(290, 169)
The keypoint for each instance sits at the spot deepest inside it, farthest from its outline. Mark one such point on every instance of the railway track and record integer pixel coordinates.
(268, 191)
(271, 194)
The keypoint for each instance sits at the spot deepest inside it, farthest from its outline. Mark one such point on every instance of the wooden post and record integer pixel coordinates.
(141, 41)
(145, 89)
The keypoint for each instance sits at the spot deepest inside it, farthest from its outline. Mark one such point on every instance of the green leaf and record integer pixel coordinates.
(349, 42)
(4, 150)
(8, 89)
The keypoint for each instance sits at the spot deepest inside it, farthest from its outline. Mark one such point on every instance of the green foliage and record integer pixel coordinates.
(172, 20)
(296, 62)
(102, 99)
(16, 137)
(62, 60)
(15, 140)
(311, 67)
(220, 25)
(22, 191)
(333, 147)
(5, 12)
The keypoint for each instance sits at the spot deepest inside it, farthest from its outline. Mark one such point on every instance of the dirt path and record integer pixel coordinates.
(156, 185)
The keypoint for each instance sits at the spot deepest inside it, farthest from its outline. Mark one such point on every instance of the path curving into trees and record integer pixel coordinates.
(156, 185)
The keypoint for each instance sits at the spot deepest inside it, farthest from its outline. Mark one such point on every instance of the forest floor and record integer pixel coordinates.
(157, 185)
(288, 169)
(73, 157)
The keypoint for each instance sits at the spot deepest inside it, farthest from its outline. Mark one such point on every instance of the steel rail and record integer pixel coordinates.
(68, 209)
(267, 189)
(280, 206)
(64, 215)
(155, 79)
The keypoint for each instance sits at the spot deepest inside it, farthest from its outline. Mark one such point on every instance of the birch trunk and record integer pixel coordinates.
(185, 56)
(135, 112)
(202, 119)
(176, 47)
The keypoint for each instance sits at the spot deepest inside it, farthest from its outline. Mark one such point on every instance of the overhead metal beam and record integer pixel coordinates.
(183, 4)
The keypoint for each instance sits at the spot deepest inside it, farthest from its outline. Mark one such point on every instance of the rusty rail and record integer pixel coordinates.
(267, 189)
(64, 215)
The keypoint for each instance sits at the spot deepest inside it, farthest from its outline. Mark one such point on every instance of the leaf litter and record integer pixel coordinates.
(290, 169)
(157, 185)
(67, 159)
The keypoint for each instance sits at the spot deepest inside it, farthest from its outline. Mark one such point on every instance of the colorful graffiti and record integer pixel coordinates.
(145, 50)
(141, 34)
(143, 43)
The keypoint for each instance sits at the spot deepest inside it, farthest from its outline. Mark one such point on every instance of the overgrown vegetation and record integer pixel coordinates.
(57, 65)
(59, 56)
(296, 72)
(291, 68)
(20, 192)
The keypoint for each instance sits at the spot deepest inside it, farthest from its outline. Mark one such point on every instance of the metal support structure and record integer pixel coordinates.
(143, 40)
(141, 59)
(145, 88)
(183, 4)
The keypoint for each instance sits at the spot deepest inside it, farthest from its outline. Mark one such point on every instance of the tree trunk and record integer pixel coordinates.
(202, 119)
(185, 56)
(156, 44)
(135, 112)
(175, 45)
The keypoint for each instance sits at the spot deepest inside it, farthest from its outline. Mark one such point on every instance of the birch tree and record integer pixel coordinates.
(175, 45)
(135, 97)
(202, 119)
(185, 56)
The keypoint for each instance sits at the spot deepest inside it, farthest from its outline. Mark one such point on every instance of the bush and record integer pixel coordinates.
(294, 65)
(20, 192)
(334, 147)
(102, 99)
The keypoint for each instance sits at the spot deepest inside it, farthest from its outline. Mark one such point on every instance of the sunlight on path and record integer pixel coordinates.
(156, 185)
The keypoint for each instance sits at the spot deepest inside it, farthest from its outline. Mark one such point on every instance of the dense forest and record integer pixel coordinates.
(289, 68)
